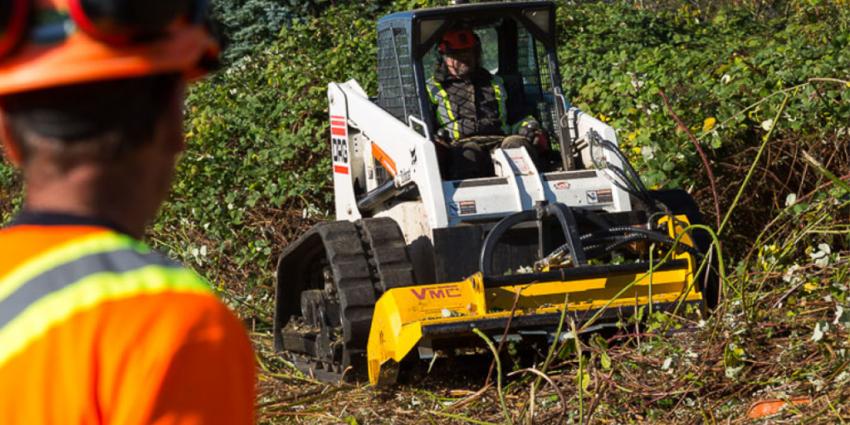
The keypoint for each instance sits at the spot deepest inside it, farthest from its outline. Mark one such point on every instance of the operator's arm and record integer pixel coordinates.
(191, 363)
(440, 137)
(513, 112)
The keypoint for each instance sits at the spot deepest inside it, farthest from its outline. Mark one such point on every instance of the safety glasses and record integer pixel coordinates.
(112, 22)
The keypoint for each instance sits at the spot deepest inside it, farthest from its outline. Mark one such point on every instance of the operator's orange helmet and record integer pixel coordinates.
(50, 43)
(457, 40)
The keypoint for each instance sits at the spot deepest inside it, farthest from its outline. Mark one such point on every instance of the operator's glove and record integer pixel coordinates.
(535, 135)
(528, 129)
(442, 138)
(541, 141)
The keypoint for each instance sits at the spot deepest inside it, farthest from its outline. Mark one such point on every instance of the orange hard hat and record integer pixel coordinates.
(50, 43)
(456, 40)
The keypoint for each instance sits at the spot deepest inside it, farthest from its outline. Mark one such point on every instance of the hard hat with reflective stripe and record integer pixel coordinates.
(50, 43)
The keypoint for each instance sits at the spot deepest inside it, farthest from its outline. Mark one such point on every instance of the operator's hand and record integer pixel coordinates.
(442, 138)
(536, 136)
(540, 140)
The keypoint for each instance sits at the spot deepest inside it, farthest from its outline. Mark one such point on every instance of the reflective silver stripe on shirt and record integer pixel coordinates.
(65, 275)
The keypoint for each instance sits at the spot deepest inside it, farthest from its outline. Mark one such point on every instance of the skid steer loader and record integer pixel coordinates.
(416, 262)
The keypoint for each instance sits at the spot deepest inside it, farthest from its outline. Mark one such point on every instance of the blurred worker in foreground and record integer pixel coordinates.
(470, 105)
(95, 328)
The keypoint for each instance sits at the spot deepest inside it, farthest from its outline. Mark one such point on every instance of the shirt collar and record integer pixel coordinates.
(50, 218)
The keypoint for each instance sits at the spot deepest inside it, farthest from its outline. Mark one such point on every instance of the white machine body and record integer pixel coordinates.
(370, 148)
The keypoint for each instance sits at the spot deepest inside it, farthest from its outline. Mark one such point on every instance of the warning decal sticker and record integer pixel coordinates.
(601, 196)
(467, 207)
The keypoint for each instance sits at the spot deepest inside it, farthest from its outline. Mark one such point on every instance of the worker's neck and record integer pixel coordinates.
(87, 191)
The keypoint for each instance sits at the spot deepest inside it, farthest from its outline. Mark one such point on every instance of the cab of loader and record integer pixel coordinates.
(517, 44)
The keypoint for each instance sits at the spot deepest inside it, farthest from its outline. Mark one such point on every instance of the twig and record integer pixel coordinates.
(499, 374)
(470, 399)
(830, 80)
(753, 167)
(550, 354)
(820, 168)
(504, 336)
(834, 412)
(306, 400)
(784, 91)
(595, 401)
(460, 418)
(305, 414)
(580, 380)
(788, 293)
(704, 158)
(285, 376)
(545, 377)
(287, 400)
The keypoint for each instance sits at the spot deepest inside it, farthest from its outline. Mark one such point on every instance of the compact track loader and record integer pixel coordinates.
(416, 262)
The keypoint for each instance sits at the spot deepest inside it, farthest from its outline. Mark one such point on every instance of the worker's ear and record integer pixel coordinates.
(13, 150)
(168, 134)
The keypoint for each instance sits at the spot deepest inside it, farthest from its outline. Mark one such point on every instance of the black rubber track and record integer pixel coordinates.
(388, 254)
(366, 258)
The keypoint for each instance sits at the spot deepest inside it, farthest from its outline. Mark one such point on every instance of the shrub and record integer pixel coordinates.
(256, 171)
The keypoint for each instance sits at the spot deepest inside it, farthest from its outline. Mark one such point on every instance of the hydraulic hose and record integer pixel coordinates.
(627, 175)
(561, 212)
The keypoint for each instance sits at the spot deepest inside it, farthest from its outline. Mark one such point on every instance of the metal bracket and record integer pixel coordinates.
(412, 119)
(565, 137)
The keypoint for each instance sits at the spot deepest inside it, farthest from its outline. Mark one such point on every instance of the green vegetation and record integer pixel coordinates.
(256, 171)
(249, 26)
(762, 86)
(258, 160)
(615, 60)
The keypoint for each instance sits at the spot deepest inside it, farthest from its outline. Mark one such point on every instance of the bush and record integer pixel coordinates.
(256, 171)
(616, 58)
(257, 165)
(249, 26)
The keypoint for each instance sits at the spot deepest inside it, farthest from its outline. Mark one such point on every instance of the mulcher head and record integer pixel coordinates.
(445, 314)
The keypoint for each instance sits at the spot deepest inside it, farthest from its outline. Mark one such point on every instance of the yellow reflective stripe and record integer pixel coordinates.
(440, 121)
(86, 294)
(448, 106)
(430, 92)
(64, 253)
(497, 88)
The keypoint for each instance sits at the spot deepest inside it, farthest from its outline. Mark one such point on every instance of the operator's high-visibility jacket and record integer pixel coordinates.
(475, 106)
(95, 328)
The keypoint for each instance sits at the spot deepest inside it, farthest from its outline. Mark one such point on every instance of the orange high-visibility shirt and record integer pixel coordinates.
(97, 329)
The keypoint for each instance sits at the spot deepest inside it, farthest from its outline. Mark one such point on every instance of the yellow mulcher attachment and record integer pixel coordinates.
(409, 317)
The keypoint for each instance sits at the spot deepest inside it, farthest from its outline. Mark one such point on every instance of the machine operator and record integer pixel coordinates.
(470, 108)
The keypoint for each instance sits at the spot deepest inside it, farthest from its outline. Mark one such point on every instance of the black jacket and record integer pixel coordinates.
(473, 104)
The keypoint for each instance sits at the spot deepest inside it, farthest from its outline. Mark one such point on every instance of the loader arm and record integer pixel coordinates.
(364, 135)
